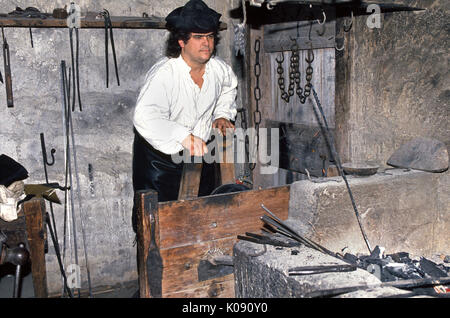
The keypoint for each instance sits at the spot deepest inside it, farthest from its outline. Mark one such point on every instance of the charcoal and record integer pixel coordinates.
(351, 258)
(377, 252)
(430, 268)
(401, 257)
(404, 271)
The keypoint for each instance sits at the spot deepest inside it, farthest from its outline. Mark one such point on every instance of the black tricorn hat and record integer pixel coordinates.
(195, 16)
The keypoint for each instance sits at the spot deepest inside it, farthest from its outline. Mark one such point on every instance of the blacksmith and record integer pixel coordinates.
(185, 95)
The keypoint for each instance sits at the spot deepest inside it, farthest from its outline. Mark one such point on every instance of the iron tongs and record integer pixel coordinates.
(108, 25)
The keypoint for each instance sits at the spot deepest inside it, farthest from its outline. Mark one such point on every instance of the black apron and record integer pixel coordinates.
(155, 170)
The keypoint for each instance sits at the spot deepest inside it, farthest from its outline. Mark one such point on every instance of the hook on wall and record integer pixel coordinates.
(347, 27)
(340, 48)
(44, 152)
(324, 18)
(322, 24)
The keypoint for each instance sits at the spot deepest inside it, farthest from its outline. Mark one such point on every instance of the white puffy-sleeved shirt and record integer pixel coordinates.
(171, 106)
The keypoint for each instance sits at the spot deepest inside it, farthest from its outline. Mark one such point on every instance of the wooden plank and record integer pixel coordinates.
(181, 263)
(89, 22)
(323, 80)
(227, 174)
(36, 235)
(190, 180)
(278, 37)
(183, 233)
(207, 218)
(214, 288)
(148, 244)
(302, 147)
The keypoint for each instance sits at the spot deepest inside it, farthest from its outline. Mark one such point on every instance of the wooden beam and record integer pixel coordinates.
(34, 211)
(89, 22)
(148, 244)
(217, 216)
(227, 173)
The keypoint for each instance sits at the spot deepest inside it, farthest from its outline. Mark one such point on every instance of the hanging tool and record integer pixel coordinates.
(108, 25)
(47, 163)
(79, 203)
(8, 80)
(71, 23)
(68, 209)
(71, 150)
(31, 38)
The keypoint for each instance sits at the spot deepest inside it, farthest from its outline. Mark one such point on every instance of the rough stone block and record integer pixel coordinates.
(267, 275)
(400, 210)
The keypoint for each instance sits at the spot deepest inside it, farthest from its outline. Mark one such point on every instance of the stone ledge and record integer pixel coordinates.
(266, 276)
(400, 210)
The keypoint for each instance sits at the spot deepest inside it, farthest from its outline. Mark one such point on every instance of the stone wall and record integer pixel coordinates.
(103, 130)
(392, 82)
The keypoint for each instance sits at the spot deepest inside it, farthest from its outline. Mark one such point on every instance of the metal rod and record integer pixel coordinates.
(58, 254)
(341, 172)
(303, 239)
(80, 205)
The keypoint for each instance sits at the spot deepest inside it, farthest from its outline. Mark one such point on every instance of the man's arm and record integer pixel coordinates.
(225, 110)
(151, 115)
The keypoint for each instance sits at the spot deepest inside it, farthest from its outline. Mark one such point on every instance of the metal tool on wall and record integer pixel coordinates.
(7, 70)
(72, 25)
(70, 154)
(108, 25)
(51, 223)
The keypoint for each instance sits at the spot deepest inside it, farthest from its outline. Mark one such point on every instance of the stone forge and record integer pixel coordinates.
(401, 210)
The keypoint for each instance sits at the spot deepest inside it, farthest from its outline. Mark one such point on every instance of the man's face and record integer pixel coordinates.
(199, 48)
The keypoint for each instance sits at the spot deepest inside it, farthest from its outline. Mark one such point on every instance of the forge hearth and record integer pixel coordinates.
(406, 212)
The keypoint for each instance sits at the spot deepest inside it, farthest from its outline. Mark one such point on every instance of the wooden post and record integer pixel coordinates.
(34, 211)
(150, 282)
(190, 181)
(227, 174)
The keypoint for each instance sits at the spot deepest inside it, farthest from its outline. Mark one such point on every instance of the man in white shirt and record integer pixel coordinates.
(184, 96)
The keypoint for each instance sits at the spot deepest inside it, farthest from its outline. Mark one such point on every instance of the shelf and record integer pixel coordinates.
(88, 22)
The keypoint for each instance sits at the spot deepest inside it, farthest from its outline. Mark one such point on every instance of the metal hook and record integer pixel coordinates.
(341, 48)
(282, 55)
(322, 24)
(309, 59)
(44, 152)
(294, 46)
(348, 27)
(324, 18)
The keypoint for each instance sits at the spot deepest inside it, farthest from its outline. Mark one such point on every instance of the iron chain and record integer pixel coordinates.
(257, 94)
(295, 75)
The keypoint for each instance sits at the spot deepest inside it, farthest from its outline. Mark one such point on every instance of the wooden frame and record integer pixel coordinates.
(175, 237)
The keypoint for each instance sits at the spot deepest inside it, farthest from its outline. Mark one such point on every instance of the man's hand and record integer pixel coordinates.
(195, 145)
(222, 124)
